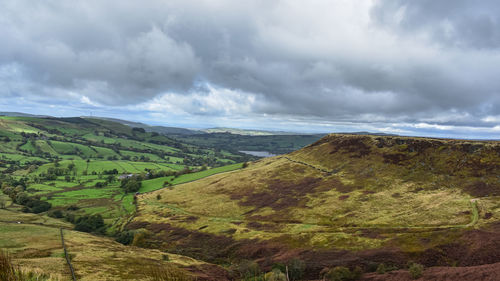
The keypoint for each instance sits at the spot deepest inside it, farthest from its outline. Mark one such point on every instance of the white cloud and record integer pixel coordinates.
(210, 101)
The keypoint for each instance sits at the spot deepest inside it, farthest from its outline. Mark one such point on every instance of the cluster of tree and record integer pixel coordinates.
(19, 196)
(138, 130)
(54, 172)
(88, 223)
(110, 172)
(48, 130)
(6, 181)
(131, 184)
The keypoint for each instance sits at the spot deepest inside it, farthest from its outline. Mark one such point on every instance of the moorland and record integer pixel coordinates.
(133, 203)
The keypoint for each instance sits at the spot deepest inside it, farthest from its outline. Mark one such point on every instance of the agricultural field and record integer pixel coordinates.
(78, 163)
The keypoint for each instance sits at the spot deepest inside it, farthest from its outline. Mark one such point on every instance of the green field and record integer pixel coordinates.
(77, 162)
(154, 184)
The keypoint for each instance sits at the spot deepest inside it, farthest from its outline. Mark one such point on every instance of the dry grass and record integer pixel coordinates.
(369, 189)
(37, 249)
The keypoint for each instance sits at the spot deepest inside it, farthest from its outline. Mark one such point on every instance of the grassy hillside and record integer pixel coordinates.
(34, 243)
(346, 199)
(77, 163)
(71, 173)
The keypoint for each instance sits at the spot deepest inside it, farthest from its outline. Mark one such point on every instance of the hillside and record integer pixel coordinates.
(350, 200)
(158, 129)
(79, 163)
(245, 132)
(80, 175)
(34, 243)
(275, 144)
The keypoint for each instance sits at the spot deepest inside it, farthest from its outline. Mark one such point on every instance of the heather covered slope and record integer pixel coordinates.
(346, 199)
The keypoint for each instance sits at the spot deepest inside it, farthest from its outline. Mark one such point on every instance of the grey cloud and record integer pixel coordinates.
(398, 60)
(461, 23)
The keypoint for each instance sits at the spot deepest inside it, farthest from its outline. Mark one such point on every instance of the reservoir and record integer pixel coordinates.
(258, 153)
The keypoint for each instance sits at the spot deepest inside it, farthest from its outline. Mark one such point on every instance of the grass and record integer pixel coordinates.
(154, 184)
(38, 248)
(328, 210)
(88, 145)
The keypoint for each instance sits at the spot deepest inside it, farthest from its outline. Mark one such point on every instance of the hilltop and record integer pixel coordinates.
(353, 200)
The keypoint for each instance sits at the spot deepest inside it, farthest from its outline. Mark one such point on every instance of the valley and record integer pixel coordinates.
(133, 203)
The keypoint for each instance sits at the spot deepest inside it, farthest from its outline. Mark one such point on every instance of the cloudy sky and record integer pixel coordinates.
(427, 67)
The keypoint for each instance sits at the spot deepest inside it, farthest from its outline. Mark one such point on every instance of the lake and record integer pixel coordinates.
(258, 153)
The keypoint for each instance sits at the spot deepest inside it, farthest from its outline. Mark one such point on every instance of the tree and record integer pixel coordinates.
(38, 206)
(21, 198)
(132, 184)
(88, 223)
(138, 130)
(125, 237)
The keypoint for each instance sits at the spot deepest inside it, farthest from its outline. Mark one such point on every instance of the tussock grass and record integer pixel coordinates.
(367, 199)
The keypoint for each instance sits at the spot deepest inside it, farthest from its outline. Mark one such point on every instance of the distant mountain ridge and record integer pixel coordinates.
(158, 129)
(20, 114)
(246, 132)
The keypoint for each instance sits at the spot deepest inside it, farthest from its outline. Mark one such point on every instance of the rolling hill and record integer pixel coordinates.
(353, 200)
(346, 200)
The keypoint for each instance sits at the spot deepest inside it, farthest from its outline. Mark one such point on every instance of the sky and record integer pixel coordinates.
(426, 68)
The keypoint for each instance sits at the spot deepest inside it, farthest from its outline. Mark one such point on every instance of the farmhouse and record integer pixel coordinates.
(125, 176)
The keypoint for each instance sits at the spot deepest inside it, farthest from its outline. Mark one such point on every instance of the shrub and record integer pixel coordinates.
(416, 270)
(248, 269)
(56, 214)
(125, 237)
(72, 208)
(296, 269)
(341, 273)
(87, 223)
(38, 206)
(9, 272)
(100, 184)
(381, 269)
(140, 239)
(275, 275)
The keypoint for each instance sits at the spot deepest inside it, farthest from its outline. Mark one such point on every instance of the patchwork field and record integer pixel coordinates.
(77, 163)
